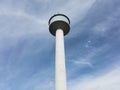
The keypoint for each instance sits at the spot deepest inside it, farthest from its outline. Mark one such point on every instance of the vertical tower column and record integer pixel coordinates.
(60, 71)
(59, 26)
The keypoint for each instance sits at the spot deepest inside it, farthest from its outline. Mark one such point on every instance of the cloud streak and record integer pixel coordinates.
(27, 48)
(108, 81)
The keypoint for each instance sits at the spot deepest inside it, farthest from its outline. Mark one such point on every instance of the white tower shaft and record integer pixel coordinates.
(60, 68)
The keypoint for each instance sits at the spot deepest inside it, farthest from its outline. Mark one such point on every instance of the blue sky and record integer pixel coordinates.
(92, 47)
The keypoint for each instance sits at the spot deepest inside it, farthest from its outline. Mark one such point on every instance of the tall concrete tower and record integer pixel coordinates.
(59, 26)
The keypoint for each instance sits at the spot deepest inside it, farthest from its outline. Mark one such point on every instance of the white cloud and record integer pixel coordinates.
(105, 81)
(109, 21)
(87, 59)
(40, 24)
(75, 10)
(39, 81)
(83, 63)
(20, 13)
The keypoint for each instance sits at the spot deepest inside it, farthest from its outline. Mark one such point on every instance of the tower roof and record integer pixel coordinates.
(59, 21)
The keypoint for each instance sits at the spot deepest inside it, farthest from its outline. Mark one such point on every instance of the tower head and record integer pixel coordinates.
(59, 21)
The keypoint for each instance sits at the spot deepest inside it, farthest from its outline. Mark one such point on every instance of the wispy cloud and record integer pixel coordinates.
(83, 63)
(21, 13)
(25, 8)
(27, 48)
(79, 11)
(40, 80)
(88, 58)
(107, 81)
